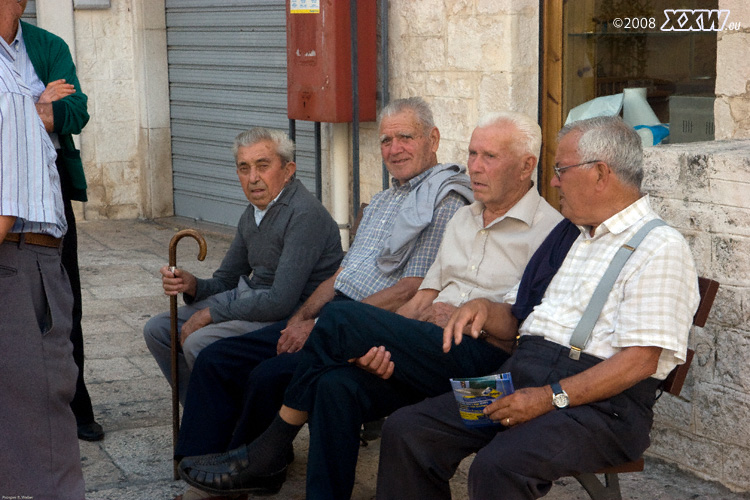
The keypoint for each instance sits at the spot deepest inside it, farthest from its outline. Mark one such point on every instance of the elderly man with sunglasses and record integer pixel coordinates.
(582, 402)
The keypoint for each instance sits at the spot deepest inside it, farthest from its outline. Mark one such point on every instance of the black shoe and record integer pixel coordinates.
(223, 473)
(90, 432)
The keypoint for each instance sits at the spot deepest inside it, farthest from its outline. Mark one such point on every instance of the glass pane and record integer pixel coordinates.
(613, 45)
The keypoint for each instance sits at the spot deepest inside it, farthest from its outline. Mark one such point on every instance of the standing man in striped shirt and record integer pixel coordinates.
(46, 67)
(39, 456)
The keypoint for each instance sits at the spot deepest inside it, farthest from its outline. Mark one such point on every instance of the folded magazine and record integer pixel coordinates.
(473, 395)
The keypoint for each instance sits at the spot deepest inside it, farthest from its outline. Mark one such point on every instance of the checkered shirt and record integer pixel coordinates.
(652, 302)
(360, 276)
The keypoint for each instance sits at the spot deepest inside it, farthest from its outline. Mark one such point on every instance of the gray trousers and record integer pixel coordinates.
(39, 456)
(158, 339)
(422, 445)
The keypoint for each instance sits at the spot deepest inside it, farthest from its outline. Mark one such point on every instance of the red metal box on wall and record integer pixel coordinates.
(318, 48)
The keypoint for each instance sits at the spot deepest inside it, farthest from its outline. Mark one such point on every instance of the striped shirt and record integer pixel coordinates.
(360, 276)
(16, 54)
(29, 182)
(651, 303)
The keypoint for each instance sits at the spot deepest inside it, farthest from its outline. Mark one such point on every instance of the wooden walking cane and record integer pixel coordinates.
(174, 337)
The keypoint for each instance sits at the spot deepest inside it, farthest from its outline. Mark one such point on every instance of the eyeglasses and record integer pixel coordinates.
(559, 170)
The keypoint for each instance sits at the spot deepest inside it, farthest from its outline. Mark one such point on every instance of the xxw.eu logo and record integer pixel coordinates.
(696, 20)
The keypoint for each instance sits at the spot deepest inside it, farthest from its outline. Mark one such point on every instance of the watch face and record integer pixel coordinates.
(560, 400)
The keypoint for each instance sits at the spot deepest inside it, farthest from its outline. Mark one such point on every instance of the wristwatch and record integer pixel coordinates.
(559, 397)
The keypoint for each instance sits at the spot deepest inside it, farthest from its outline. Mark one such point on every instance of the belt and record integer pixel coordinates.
(42, 240)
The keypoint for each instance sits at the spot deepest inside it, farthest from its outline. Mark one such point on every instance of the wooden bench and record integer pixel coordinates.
(609, 489)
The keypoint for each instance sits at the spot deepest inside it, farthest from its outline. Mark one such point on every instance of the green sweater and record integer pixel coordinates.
(52, 61)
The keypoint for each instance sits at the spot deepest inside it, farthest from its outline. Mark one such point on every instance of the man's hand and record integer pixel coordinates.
(469, 319)
(438, 313)
(521, 406)
(196, 321)
(294, 336)
(376, 361)
(55, 91)
(179, 281)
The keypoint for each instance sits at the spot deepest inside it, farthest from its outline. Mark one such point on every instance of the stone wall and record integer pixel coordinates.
(702, 189)
(732, 108)
(121, 64)
(109, 142)
(466, 58)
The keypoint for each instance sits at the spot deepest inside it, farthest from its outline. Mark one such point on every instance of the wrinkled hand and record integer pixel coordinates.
(466, 320)
(55, 91)
(521, 406)
(376, 361)
(196, 321)
(438, 313)
(293, 337)
(179, 281)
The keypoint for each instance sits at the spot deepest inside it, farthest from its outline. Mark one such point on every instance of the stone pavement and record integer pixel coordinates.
(121, 290)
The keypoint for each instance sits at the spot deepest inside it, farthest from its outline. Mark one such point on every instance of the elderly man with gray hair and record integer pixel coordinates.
(591, 351)
(484, 250)
(285, 246)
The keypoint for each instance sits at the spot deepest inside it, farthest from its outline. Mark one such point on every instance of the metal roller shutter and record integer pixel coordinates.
(227, 73)
(29, 15)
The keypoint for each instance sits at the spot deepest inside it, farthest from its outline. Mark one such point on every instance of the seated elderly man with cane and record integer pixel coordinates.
(285, 246)
(484, 251)
(602, 312)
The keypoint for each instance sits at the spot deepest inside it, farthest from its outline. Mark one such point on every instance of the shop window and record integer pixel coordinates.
(610, 46)
(596, 48)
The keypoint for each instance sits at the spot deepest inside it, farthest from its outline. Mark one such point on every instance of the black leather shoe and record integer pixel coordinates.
(224, 473)
(90, 432)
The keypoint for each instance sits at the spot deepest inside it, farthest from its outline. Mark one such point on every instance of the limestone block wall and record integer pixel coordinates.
(108, 143)
(702, 189)
(121, 63)
(732, 108)
(466, 58)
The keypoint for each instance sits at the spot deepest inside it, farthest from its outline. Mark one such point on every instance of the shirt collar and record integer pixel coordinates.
(10, 51)
(524, 209)
(622, 220)
(259, 214)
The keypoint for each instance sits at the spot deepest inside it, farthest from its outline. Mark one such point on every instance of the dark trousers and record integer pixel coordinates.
(236, 389)
(340, 397)
(224, 408)
(422, 445)
(81, 404)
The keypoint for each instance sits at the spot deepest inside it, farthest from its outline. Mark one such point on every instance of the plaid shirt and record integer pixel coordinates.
(652, 302)
(360, 276)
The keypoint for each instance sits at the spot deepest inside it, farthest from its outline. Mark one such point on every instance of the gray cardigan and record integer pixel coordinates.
(296, 247)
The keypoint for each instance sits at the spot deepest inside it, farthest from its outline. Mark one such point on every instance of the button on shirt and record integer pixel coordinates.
(475, 261)
(360, 276)
(651, 303)
(29, 182)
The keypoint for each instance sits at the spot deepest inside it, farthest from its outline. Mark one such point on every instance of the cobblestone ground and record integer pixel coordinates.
(121, 290)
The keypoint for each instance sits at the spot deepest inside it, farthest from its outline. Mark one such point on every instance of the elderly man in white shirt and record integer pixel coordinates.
(579, 406)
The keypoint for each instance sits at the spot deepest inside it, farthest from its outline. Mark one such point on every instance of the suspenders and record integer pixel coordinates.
(581, 334)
